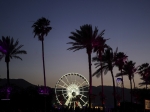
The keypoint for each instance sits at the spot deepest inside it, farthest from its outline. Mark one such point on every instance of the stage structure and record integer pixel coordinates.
(72, 90)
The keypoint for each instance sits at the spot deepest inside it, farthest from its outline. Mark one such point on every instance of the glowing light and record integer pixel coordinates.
(43, 90)
(119, 80)
(2, 50)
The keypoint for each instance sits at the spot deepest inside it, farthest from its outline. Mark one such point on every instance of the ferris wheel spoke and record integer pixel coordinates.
(68, 101)
(71, 79)
(61, 90)
(84, 91)
(84, 87)
(83, 95)
(85, 104)
(82, 83)
(75, 78)
(61, 86)
(74, 103)
(67, 79)
(77, 83)
(82, 100)
(64, 82)
(64, 94)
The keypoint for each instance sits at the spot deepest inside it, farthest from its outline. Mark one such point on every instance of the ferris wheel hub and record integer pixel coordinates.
(73, 94)
(73, 90)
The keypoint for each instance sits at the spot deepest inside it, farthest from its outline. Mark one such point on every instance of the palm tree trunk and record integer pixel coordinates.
(45, 90)
(131, 90)
(133, 82)
(122, 86)
(7, 64)
(122, 89)
(146, 84)
(43, 65)
(90, 78)
(102, 87)
(114, 89)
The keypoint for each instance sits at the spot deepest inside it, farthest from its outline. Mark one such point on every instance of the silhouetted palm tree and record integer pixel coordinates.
(99, 49)
(119, 62)
(2, 52)
(146, 81)
(144, 71)
(128, 69)
(107, 64)
(10, 49)
(41, 29)
(85, 39)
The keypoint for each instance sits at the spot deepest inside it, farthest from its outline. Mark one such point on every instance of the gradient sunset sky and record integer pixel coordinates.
(127, 24)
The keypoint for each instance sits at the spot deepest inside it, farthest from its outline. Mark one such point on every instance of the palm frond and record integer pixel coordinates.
(97, 73)
(11, 47)
(95, 59)
(15, 48)
(76, 48)
(41, 28)
(17, 57)
(83, 38)
(143, 83)
(20, 52)
(106, 70)
(121, 74)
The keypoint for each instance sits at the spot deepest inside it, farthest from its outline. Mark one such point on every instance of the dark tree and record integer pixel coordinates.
(129, 69)
(84, 38)
(10, 49)
(41, 29)
(119, 62)
(144, 72)
(100, 45)
(107, 64)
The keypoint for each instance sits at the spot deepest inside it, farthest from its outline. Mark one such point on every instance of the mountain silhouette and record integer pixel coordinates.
(19, 82)
(108, 91)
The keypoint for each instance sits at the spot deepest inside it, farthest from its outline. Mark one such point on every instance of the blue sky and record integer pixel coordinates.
(127, 24)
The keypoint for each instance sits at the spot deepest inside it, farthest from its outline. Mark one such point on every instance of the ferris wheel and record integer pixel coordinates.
(72, 90)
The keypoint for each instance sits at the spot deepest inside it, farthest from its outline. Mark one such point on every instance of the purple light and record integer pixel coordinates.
(43, 90)
(2, 50)
(6, 91)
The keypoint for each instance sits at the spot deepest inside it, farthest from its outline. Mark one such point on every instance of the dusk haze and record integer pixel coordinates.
(126, 24)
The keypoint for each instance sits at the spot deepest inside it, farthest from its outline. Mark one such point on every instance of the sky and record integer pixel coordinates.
(127, 24)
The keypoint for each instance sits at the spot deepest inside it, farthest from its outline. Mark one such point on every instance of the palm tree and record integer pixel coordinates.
(2, 52)
(107, 64)
(119, 62)
(41, 29)
(100, 45)
(10, 49)
(144, 72)
(146, 81)
(85, 39)
(128, 69)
